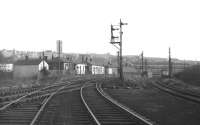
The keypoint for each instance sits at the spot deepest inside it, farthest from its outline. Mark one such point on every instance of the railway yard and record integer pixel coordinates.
(99, 62)
(91, 101)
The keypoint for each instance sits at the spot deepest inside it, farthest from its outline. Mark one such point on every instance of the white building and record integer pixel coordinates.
(110, 72)
(97, 69)
(42, 65)
(80, 69)
(6, 67)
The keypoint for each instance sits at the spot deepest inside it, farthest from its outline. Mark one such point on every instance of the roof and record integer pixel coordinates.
(28, 62)
(37, 62)
(129, 69)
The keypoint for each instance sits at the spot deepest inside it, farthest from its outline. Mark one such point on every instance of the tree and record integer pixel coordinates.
(2, 58)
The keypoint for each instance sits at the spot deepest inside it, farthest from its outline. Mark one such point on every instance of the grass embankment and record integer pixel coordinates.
(115, 83)
(190, 75)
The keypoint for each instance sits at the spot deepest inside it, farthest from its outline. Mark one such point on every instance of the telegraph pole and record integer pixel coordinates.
(170, 63)
(118, 61)
(145, 65)
(184, 64)
(142, 56)
(113, 41)
(59, 59)
(43, 60)
(59, 51)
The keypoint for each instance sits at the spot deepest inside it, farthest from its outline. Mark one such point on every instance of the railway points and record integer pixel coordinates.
(75, 108)
(96, 101)
(29, 95)
(26, 110)
(33, 104)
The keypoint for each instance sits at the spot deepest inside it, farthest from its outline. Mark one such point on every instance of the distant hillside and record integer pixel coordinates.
(4, 59)
(10, 56)
(96, 59)
(132, 60)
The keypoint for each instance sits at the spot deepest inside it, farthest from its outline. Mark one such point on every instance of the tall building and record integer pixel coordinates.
(59, 46)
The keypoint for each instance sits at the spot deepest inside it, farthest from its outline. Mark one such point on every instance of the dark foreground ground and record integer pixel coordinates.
(158, 106)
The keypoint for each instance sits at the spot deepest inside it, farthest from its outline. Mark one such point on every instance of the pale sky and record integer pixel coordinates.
(84, 26)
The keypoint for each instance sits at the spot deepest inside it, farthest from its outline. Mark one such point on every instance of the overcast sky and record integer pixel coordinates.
(84, 26)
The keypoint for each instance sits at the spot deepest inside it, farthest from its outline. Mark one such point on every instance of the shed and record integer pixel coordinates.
(26, 68)
(43, 64)
(80, 69)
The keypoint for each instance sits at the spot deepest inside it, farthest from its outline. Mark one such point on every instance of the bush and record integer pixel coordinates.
(190, 74)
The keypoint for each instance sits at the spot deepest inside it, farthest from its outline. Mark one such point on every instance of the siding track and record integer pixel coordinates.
(23, 110)
(106, 112)
(176, 92)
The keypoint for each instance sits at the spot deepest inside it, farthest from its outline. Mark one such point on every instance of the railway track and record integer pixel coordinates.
(28, 109)
(28, 95)
(74, 104)
(11, 96)
(65, 108)
(175, 92)
(17, 89)
(68, 111)
(8, 95)
(24, 110)
(106, 112)
(85, 106)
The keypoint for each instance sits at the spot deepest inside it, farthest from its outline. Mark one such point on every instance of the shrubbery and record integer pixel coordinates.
(190, 75)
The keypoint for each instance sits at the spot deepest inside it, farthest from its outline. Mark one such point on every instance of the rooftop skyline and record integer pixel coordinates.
(84, 26)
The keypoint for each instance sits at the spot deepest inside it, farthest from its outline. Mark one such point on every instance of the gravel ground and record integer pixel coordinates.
(158, 106)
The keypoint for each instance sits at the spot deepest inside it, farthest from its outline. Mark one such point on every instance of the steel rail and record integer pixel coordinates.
(177, 93)
(137, 115)
(28, 94)
(88, 108)
(45, 103)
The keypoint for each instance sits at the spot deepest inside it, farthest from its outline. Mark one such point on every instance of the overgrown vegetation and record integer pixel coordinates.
(1, 57)
(4, 59)
(190, 75)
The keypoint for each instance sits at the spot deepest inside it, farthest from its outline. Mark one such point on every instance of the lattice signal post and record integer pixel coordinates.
(118, 40)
